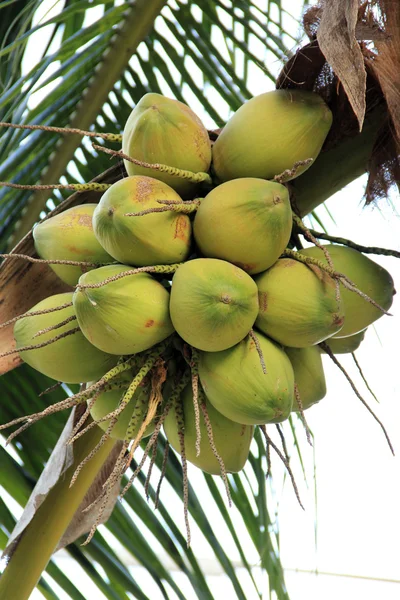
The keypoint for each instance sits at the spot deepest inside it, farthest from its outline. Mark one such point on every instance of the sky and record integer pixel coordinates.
(349, 530)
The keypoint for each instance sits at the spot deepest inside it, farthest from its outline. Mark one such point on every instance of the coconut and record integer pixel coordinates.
(151, 239)
(308, 375)
(298, 304)
(71, 359)
(347, 344)
(247, 222)
(166, 131)
(125, 316)
(270, 133)
(368, 276)
(69, 236)
(232, 440)
(213, 303)
(108, 401)
(235, 384)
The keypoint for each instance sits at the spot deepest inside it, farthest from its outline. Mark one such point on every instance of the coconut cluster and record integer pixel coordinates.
(190, 311)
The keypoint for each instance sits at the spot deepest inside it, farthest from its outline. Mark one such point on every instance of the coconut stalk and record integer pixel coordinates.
(49, 523)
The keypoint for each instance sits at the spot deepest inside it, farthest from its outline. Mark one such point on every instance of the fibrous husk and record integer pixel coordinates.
(246, 221)
(232, 440)
(298, 304)
(213, 303)
(270, 133)
(72, 359)
(166, 131)
(69, 236)
(236, 385)
(308, 375)
(125, 316)
(368, 276)
(151, 239)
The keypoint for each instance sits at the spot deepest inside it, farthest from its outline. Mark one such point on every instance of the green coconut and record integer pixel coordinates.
(156, 238)
(347, 344)
(368, 276)
(69, 236)
(166, 131)
(247, 222)
(235, 384)
(232, 440)
(138, 405)
(125, 316)
(308, 375)
(270, 133)
(213, 303)
(72, 359)
(298, 304)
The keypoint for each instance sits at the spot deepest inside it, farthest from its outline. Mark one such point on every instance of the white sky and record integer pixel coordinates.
(357, 478)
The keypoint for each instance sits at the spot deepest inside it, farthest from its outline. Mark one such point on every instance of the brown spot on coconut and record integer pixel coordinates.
(69, 236)
(141, 240)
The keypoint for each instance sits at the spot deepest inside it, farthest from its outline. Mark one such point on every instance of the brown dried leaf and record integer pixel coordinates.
(337, 40)
(386, 64)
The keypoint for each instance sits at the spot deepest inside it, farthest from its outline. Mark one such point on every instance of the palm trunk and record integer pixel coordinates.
(42, 535)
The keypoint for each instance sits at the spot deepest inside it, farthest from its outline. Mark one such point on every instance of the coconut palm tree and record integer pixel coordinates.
(84, 65)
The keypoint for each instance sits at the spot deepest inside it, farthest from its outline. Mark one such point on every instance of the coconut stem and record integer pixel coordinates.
(259, 350)
(109, 137)
(207, 422)
(68, 402)
(35, 313)
(77, 187)
(56, 326)
(74, 263)
(363, 376)
(152, 461)
(344, 280)
(194, 365)
(173, 171)
(186, 208)
(42, 345)
(159, 269)
(180, 423)
(311, 238)
(171, 401)
(351, 244)
(108, 487)
(301, 411)
(50, 389)
(326, 348)
(285, 462)
(292, 173)
(162, 475)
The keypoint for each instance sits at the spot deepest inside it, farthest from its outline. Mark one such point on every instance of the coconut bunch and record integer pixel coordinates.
(189, 308)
